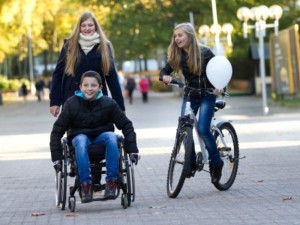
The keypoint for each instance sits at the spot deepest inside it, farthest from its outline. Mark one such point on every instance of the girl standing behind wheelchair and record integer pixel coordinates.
(87, 48)
(187, 57)
(89, 117)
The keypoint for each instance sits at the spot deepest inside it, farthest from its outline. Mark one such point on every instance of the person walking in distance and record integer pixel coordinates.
(144, 88)
(130, 86)
(24, 91)
(39, 88)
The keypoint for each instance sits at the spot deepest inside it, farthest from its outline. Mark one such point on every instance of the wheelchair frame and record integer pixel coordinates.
(126, 182)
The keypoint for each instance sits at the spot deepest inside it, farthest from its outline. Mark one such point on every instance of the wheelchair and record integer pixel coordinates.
(126, 182)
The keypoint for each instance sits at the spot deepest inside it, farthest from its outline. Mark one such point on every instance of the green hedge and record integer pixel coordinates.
(12, 84)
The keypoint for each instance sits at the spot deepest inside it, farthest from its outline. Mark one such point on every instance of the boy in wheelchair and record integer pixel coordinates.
(88, 117)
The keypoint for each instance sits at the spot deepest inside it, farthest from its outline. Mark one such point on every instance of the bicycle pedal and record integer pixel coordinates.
(191, 174)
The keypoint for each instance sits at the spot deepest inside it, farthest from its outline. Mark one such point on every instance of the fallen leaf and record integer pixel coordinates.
(71, 215)
(38, 214)
(157, 207)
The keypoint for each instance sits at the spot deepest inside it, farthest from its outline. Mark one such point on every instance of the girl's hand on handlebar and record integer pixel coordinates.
(218, 91)
(167, 79)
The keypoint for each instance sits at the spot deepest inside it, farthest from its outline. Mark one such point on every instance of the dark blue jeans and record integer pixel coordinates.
(81, 143)
(205, 105)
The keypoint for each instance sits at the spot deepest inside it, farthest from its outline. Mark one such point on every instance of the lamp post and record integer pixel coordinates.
(216, 26)
(215, 29)
(30, 61)
(259, 15)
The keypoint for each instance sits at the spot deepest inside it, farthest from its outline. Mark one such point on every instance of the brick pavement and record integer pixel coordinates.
(266, 190)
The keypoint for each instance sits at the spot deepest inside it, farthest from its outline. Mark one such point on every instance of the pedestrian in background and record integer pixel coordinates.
(86, 49)
(24, 91)
(39, 88)
(130, 86)
(144, 88)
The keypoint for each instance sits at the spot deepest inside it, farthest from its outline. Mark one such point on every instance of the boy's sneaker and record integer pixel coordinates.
(86, 190)
(216, 172)
(110, 189)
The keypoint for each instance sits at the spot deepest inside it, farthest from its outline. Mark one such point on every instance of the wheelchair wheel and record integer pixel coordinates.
(72, 203)
(57, 189)
(128, 195)
(61, 182)
(229, 155)
(124, 201)
(180, 162)
(130, 179)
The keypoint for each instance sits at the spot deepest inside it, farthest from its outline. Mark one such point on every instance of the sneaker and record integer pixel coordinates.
(110, 189)
(216, 173)
(86, 192)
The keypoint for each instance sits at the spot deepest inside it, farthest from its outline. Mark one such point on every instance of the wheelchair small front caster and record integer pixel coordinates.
(72, 203)
(124, 201)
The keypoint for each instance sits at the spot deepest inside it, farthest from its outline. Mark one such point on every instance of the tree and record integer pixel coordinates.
(138, 29)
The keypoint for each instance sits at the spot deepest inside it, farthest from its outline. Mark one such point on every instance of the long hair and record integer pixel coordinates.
(193, 50)
(73, 55)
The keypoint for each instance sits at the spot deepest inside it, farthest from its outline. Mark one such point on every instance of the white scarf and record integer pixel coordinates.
(88, 42)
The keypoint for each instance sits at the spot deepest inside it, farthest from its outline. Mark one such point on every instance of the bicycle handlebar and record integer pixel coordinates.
(173, 82)
(179, 84)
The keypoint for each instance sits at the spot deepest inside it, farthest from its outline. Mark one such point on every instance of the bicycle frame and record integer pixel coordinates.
(189, 112)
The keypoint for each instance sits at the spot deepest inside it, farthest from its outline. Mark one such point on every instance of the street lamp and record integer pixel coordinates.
(259, 15)
(215, 30)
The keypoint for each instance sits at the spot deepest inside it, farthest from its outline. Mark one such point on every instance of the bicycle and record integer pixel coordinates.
(180, 162)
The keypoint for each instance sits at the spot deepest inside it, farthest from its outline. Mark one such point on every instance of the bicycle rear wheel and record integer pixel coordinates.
(180, 162)
(229, 155)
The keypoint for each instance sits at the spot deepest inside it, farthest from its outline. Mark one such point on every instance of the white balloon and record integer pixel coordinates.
(219, 71)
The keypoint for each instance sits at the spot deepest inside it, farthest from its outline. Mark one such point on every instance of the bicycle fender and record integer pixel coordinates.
(220, 123)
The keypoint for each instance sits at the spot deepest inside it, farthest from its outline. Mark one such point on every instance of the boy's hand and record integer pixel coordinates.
(57, 165)
(134, 157)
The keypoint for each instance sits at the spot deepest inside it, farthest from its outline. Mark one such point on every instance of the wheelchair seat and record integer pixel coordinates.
(96, 152)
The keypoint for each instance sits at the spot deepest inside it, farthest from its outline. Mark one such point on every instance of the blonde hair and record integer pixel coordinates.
(72, 49)
(193, 50)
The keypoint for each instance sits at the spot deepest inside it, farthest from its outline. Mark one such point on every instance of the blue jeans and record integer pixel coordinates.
(81, 143)
(206, 106)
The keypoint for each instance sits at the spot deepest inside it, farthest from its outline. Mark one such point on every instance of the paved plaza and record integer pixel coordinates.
(266, 190)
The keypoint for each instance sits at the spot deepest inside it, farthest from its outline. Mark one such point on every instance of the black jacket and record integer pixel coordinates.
(64, 86)
(80, 116)
(192, 80)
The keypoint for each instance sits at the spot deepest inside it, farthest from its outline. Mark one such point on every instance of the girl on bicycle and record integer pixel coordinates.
(187, 57)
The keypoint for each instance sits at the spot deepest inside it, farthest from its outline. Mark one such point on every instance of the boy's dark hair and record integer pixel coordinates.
(93, 74)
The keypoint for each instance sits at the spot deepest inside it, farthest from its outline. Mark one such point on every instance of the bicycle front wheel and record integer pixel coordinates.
(180, 162)
(229, 154)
